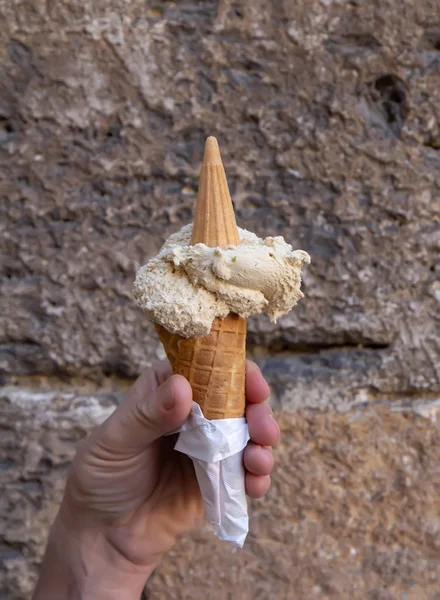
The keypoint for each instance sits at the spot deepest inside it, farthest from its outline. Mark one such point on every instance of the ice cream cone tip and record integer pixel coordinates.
(214, 219)
(212, 152)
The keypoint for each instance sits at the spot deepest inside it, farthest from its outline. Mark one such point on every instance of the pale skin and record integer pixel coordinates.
(130, 496)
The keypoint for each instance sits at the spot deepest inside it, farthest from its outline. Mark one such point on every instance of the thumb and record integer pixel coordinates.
(148, 413)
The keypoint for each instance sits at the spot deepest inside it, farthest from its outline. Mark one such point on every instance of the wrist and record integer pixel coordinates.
(80, 564)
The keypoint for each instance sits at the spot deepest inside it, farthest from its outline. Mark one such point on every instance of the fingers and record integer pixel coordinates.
(257, 486)
(263, 429)
(148, 412)
(264, 433)
(259, 464)
(258, 459)
(257, 389)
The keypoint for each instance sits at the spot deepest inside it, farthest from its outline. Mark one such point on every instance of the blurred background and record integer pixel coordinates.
(328, 117)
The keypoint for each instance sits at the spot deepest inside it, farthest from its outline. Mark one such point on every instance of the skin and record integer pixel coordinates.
(129, 496)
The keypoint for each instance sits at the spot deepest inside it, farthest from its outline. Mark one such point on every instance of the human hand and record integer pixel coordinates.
(130, 495)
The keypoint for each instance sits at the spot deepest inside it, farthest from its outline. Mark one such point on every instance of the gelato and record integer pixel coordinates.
(185, 287)
(198, 291)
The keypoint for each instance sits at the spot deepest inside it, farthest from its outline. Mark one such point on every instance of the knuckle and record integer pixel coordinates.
(142, 415)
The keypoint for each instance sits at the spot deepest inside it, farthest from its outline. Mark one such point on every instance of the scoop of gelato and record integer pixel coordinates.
(185, 287)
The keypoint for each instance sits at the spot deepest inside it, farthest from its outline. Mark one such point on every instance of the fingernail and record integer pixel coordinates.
(166, 395)
(251, 366)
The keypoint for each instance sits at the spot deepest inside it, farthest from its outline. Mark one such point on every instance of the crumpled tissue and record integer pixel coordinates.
(216, 448)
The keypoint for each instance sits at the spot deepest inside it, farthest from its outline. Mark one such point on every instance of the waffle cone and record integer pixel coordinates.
(215, 364)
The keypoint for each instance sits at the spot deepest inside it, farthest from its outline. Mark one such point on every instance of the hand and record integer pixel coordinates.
(130, 496)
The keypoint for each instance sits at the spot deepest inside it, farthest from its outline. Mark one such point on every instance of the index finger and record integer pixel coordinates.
(257, 388)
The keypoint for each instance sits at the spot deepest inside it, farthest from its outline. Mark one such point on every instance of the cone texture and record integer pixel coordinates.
(214, 364)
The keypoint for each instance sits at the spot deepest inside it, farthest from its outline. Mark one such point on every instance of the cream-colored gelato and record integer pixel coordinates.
(184, 288)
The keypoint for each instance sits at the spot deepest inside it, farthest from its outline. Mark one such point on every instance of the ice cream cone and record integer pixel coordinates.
(214, 364)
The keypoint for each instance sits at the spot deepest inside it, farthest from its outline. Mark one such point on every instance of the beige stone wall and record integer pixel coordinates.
(327, 113)
(353, 512)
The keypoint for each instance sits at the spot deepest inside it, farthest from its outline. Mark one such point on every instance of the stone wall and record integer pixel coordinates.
(327, 114)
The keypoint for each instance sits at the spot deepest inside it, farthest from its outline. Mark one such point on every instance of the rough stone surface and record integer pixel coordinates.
(39, 434)
(353, 513)
(327, 113)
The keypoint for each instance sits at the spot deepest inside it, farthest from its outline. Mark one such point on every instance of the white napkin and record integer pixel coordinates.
(216, 448)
